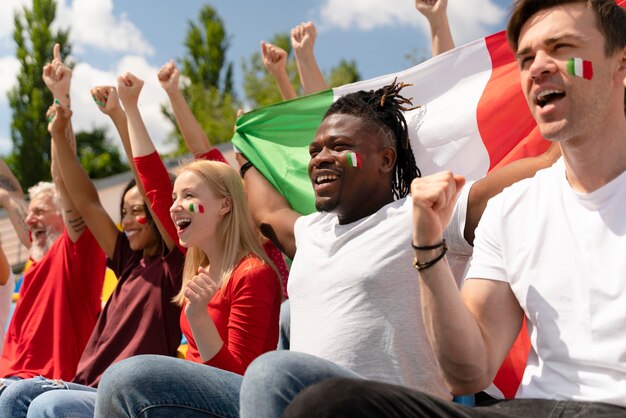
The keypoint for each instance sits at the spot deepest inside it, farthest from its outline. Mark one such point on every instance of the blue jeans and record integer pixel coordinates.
(275, 378)
(159, 386)
(41, 397)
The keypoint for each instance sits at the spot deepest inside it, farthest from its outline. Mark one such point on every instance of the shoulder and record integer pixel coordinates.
(253, 272)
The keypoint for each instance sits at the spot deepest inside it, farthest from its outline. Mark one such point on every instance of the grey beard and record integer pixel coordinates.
(38, 252)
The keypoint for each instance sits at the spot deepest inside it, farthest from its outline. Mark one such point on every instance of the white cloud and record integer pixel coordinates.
(6, 145)
(469, 19)
(9, 67)
(6, 15)
(93, 24)
(86, 114)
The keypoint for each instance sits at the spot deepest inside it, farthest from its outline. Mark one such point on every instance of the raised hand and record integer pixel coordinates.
(169, 77)
(199, 291)
(128, 88)
(431, 9)
(274, 57)
(107, 99)
(57, 77)
(303, 37)
(58, 120)
(433, 197)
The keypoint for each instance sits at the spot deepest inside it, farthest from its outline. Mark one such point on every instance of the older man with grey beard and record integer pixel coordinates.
(59, 299)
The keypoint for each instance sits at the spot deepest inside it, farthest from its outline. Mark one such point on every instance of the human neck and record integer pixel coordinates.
(372, 206)
(214, 253)
(593, 162)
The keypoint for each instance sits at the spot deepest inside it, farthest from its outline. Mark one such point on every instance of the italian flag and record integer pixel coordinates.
(473, 119)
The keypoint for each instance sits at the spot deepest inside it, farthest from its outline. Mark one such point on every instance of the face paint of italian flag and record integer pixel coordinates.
(196, 208)
(580, 68)
(354, 159)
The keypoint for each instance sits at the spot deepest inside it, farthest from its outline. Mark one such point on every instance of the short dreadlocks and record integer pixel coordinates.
(384, 108)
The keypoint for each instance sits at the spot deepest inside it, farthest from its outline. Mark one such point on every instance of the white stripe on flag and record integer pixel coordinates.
(578, 67)
(444, 132)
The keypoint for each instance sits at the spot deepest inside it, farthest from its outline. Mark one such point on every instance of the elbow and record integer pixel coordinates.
(467, 380)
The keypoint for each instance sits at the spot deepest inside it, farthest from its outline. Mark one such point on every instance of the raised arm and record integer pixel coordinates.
(270, 210)
(13, 202)
(156, 183)
(494, 182)
(63, 151)
(303, 40)
(275, 61)
(84, 196)
(471, 333)
(193, 134)
(440, 34)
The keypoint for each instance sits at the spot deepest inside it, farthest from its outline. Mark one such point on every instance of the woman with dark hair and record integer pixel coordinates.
(139, 317)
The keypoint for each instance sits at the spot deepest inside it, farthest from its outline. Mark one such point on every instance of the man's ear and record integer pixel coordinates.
(226, 206)
(388, 158)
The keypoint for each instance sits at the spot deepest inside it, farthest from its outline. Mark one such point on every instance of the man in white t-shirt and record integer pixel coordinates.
(550, 248)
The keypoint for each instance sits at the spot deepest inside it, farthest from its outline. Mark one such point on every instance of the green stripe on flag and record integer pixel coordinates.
(276, 140)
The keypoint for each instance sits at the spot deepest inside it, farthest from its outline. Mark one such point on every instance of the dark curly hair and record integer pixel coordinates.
(384, 109)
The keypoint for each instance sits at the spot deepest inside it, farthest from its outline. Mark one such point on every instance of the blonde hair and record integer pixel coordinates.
(234, 232)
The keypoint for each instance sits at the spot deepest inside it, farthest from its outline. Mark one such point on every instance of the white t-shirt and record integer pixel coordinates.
(354, 295)
(6, 298)
(564, 255)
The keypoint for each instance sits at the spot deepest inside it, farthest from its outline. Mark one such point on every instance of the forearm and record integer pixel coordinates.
(271, 211)
(193, 134)
(17, 210)
(441, 36)
(287, 91)
(74, 222)
(205, 334)
(140, 141)
(453, 332)
(310, 74)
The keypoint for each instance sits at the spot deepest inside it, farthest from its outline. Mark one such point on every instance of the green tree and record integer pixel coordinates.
(209, 79)
(261, 89)
(98, 156)
(29, 99)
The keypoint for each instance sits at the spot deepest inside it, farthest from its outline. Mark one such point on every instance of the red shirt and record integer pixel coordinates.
(56, 312)
(245, 313)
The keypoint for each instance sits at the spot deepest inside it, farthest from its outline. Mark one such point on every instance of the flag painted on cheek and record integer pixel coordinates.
(196, 208)
(142, 220)
(354, 159)
(580, 68)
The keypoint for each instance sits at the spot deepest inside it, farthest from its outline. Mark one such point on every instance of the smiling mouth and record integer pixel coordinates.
(546, 97)
(325, 178)
(182, 224)
(39, 234)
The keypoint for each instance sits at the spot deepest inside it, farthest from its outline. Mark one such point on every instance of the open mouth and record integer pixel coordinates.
(325, 178)
(182, 223)
(546, 97)
(39, 234)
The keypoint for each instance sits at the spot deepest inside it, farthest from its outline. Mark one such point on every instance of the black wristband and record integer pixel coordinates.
(429, 247)
(423, 266)
(245, 167)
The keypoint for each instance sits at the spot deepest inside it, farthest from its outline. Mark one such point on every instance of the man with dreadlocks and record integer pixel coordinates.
(354, 305)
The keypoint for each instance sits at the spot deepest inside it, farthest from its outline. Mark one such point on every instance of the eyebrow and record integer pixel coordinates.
(551, 41)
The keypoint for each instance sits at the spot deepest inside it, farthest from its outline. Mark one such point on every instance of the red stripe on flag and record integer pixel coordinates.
(505, 123)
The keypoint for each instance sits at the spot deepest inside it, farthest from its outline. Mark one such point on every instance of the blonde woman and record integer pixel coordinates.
(231, 294)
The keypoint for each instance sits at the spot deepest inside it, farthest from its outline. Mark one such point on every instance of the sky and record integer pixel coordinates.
(111, 37)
